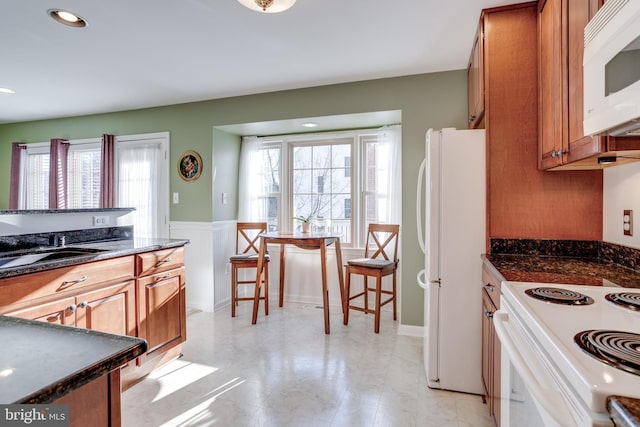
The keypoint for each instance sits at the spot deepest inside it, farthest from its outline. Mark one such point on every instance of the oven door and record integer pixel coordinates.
(530, 395)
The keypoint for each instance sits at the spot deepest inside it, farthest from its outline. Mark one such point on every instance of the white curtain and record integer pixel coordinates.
(250, 207)
(392, 135)
(137, 168)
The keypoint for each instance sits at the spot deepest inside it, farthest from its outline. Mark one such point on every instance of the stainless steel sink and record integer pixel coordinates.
(43, 255)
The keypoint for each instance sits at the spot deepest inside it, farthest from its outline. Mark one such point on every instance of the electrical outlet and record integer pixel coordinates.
(627, 222)
(176, 198)
(100, 220)
(225, 198)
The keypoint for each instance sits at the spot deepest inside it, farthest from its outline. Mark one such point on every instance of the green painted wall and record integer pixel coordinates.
(427, 100)
(226, 156)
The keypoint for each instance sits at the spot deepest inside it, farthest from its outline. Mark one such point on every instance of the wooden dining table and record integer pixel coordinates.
(312, 240)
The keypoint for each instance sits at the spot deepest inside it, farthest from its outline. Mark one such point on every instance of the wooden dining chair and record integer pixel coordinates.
(247, 248)
(380, 260)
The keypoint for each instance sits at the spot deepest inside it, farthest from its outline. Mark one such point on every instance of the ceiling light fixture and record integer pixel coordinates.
(67, 18)
(6, 90)
(310, 125)
(267, 6)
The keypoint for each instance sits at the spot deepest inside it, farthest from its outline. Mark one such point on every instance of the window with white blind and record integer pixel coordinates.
(83, 175)
(342, 180)
(142, 178)
(34, 192)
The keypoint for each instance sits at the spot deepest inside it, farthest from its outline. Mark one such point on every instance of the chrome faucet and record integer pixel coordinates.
(57, 240)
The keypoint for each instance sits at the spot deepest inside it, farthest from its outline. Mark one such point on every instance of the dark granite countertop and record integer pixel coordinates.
(105, 250)
(40, 362)
(568, 270)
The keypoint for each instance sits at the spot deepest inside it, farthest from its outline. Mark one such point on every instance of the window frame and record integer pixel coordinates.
(358, 140)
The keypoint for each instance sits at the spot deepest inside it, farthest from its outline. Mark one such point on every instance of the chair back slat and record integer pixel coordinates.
(382, 242)
(248, 236)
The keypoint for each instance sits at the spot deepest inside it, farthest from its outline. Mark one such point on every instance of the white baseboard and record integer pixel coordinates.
(411, 331)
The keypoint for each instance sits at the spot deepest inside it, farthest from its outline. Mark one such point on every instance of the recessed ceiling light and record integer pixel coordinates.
(6, 90)
(67, 18)
(310, 125)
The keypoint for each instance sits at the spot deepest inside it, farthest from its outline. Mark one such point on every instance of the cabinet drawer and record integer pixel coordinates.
(153, 262)
(63, 280)
(491, 284)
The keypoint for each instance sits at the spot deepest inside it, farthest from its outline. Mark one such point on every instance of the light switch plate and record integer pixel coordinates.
(627, 222)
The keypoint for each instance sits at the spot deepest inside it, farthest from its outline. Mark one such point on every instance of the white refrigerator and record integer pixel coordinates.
(451, 184)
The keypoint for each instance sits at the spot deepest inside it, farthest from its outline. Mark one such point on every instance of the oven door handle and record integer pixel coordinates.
(551, 400)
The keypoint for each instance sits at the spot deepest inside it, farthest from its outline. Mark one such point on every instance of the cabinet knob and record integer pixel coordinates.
(489, 287)
(83, 304)
(488, 314)
(471, 118)
(72, 308)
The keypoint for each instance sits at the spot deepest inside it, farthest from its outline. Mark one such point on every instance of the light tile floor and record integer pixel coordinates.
(285, 371)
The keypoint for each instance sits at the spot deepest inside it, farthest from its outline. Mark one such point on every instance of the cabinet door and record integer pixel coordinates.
(161, 310)
(61, 312)
(578, 14)
(475, 79)
(110, 309)
(487, 311)
(550, 90)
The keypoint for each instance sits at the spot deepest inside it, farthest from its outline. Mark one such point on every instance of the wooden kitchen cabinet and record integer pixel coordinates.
(475, 80)
(52, 312)
(162, 310)
(161, 299)
(561, 140)
(109, 309)
(490, 345)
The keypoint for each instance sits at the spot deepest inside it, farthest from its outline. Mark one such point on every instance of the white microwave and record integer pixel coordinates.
(611, 69)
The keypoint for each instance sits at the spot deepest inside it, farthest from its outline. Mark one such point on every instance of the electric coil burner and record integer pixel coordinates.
(629, 300)
(615, 348)
(560, 296)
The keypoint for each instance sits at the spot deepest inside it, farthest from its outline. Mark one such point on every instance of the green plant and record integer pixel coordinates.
(304, 219)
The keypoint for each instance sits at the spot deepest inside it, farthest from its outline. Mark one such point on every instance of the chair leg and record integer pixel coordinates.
(376, 326)
(266, 288)
(347, 296)
(395, 312)
(234, 290)
(365, 281)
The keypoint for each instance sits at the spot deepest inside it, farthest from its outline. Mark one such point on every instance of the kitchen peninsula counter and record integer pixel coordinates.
(42, 362)
(105, 249)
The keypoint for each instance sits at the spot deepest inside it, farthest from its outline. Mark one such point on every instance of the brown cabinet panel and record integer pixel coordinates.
(490, 344)
(61, 312)
(161, 308)
(65, 280)
(153, 262)
(110, 309)
(475, 80)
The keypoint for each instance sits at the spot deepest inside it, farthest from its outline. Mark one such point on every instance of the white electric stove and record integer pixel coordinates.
(560, 351)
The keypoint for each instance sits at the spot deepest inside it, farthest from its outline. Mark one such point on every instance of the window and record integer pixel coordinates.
(342, 180)
(83, 175)
(142, 178)
(35, 177)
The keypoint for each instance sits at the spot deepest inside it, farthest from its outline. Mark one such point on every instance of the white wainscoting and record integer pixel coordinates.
(198, 262)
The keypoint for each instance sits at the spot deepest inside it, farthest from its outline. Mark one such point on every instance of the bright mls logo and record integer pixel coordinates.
(34, 415)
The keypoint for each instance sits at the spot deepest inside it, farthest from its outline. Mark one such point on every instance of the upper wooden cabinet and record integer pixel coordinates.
(475, 80)
(560, 94)
(561, 140)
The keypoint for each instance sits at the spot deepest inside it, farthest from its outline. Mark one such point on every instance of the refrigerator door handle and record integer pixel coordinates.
(423, 167)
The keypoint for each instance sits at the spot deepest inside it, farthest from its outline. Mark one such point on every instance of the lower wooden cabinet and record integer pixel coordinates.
(162, 310)
(490, 345)
(142, 296)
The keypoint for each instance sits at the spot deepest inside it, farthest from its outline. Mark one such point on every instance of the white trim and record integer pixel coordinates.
(411, 331)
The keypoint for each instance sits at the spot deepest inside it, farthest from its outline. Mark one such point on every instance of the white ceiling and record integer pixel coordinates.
(144, 53)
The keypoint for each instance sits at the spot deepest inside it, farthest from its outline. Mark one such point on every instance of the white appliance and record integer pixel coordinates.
(547, 378)
(454, 239)
(611, 67)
